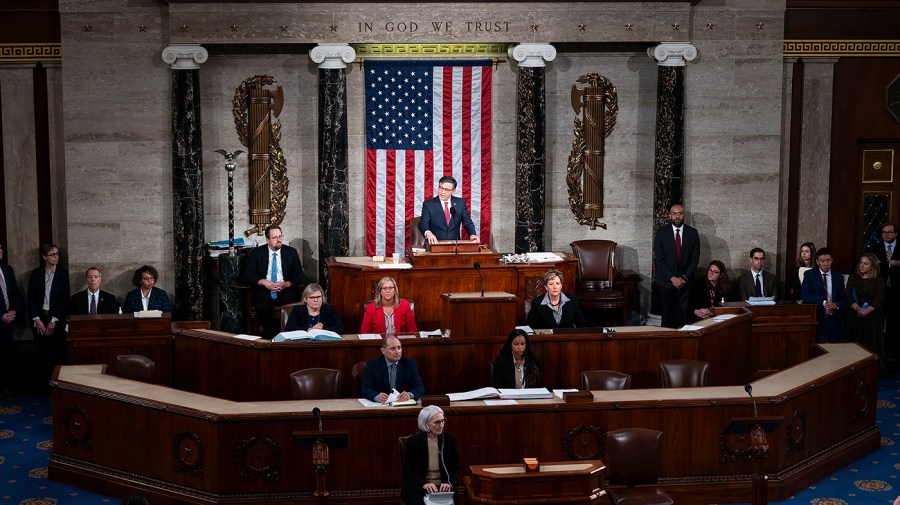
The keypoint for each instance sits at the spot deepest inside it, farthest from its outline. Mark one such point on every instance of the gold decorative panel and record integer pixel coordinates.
(22, 53)
(878, 166)
(841, 48)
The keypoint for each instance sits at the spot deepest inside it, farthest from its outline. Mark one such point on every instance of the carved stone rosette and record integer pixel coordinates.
(584, 174)
(584, 442)
(862, 401)
(190, 453)
(255, 105)
(79, 428)
(259, 457)
(796, 432)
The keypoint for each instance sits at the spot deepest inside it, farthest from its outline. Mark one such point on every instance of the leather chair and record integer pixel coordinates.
(596, 274)
(135, 367)
(416, 239)
(316, 384)
(604, 379)
(683, 373)
(403, 441)
(358, 371)
(286, 313)
(633, 458)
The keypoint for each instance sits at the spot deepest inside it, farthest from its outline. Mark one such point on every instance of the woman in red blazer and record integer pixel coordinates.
(388, 314)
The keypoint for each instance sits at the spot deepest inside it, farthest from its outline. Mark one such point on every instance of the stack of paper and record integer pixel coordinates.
(287, 336)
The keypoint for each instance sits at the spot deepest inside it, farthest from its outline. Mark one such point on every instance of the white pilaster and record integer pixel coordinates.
(185, 56)
(532, 55)
(332, 56)
(672, 54)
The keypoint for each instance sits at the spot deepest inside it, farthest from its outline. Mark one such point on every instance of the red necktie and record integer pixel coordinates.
(447, 212)
(677, 245)
(825, 284)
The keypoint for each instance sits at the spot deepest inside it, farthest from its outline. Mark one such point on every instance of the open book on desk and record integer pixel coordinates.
(506, 394)
(290, 336)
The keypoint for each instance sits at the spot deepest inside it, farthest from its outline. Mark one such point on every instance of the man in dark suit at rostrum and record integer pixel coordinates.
(756, 281)
(10, 306)
(676, 253)
(443, 214)
(824, 288)
(389, 372)
(276, 271)
(93, 300)
(889, 263)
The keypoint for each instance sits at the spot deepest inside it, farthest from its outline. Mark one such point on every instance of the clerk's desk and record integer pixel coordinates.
(119, 436)
(217, 364)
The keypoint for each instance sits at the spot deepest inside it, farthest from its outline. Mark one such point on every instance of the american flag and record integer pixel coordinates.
(424, 120)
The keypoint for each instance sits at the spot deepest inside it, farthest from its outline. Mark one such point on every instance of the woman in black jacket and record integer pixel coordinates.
(555, 309)
(431, 461)
(516, 367)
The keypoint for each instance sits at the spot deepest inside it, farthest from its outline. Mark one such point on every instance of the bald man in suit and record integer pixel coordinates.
(676, 253)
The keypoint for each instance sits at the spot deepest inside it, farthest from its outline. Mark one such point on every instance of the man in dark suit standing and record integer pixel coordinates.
(888, 257)
(443, 214)
(756, 281)
(48, 305)
(93, 300)
(389, 372)
(824, 288)
(10, 306)
(676, 253)
(276, 271)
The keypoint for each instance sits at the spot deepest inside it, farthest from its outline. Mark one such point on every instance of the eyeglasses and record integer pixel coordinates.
(276, 237)
(445, 189)
(889, 232)
(317, 297)
(388, 288)
(439, 421)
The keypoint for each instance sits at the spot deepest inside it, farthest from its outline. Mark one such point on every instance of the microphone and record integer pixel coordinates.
(318, 414)
(456, 243)
(477, 266)
(749, 389)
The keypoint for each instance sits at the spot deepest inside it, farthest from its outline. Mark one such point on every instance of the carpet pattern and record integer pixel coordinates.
(26, 440)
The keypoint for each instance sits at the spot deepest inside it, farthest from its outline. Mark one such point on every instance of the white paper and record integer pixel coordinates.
(559, 392)
(724, 317)
(525, 393)
(369, 336)
(690, 327)
(542, 257)
(394, 266)
(475, 394)
(433, 333)
(148, 313)
(527, 329)
(761, 300)
(406, 336)
(247, 337)
(501, 402)
(370, 403)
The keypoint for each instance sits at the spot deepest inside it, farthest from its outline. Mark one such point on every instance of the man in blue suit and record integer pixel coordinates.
(10, 306)
(676, 253)
(380, 379)
(825, 288)
(443, 214)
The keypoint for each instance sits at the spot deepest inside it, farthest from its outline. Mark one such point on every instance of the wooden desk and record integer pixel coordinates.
(783, 334)
(207, 360)
(119, 436)
(353, 280)
(556, 482)
(476, 316)
(100, 338)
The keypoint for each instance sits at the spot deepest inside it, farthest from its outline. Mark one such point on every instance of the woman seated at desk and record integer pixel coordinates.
(147, 296)
(314, 313)
(516, 367)
(388, 313)
(709, 291)
(431, 461)
(555, 309)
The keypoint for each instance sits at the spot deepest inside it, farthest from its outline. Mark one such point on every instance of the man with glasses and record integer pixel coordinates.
(756, 282)
(676, 253)
(443, 214)
(276, 271)
(888, 257)
(389, 372)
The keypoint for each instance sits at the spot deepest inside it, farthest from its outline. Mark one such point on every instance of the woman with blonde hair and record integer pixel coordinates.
(315, 313)
(388, 314)
(865, 297)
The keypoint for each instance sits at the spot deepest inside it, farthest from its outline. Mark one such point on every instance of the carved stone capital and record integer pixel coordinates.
(672, 54)
(332, 55)
(185, 56)
(532, 55)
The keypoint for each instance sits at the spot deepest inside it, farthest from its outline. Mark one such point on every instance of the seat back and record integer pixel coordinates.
(403, 441)
(604, 379)
(358, 371)
(286, 313)
(683, 373)
(316, 384)
(416, 239)
(633, 456)
(135, 367)
(596, 263)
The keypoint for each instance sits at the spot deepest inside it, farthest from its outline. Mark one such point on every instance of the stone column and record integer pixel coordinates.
(334, 202)
(187, 178)
(668, 170)
(815, 149)
(530, 144)
(783, 244)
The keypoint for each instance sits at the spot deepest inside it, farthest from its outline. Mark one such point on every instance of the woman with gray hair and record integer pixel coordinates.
(431, 462)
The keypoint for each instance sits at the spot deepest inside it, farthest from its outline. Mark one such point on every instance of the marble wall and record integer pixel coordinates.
(118, 140)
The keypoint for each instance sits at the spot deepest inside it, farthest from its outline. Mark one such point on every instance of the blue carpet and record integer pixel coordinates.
(26, 439)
